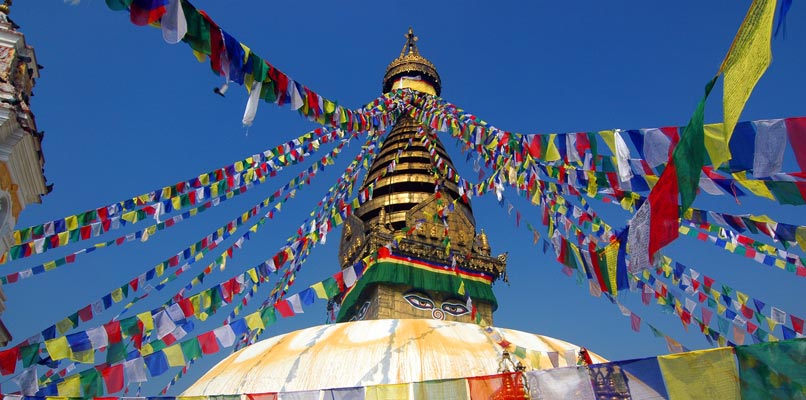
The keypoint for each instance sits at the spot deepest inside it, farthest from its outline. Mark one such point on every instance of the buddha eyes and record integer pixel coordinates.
(422, 302)
(455, 309)
(418, 301)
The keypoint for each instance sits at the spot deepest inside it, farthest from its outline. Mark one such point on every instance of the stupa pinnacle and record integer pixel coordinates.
(433, 264)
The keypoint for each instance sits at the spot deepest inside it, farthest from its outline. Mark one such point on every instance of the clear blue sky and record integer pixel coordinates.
(124, 113)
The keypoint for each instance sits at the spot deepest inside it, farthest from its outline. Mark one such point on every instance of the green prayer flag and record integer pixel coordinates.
(128, 326)
(191, 349)
(29, 354)
(115, 353)
(268, 316)
(198, 33)
(786, 192)
(689, 154)
(772, 370)
(118, 5)
(331, 287)
(91, 383)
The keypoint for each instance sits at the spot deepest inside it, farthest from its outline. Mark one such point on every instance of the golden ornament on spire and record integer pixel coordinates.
(411, 70)
(5, 8)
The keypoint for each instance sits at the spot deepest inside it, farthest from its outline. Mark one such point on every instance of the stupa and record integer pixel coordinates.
(407, 319)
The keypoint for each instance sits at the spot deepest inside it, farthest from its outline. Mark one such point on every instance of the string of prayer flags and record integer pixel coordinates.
(92, 223)
(225, 289)
(235, 62)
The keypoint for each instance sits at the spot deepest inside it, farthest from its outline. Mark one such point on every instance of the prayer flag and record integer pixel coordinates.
(384, 392)
(173, 22)
(113, 378)
(70, 386)
(560, 383)
(772, 370)
(690, 375)
(747, 59)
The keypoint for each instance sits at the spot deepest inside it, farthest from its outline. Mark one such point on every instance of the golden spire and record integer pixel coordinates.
(5, 8)
(411, 70)
(411, 44)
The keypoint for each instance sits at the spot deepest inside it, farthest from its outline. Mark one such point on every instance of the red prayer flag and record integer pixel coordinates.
(208, 343)
(502, 386)
(113, 378)
(85, 313)
(8, 360)
(796, 131)
(635, 322)
(262, 396)
(747, 311)
(113, 332)
(187, 307)
(797, 323)
(144, 12)
(664, 211)
(284, 308)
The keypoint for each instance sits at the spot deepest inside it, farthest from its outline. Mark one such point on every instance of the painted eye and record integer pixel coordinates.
(455, 309)
(420, 302)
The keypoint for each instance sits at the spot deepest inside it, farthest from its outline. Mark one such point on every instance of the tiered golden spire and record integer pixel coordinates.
(410, 64)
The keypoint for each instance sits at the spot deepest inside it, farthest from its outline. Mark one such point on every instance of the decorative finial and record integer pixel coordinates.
(411, 44)
(5, 8)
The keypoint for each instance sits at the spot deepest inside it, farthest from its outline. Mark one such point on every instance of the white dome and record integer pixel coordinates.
(365, 353)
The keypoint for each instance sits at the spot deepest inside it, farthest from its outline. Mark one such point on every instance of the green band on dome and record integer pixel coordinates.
(391, 272)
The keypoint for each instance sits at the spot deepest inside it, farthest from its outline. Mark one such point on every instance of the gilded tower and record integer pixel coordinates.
(437, 260)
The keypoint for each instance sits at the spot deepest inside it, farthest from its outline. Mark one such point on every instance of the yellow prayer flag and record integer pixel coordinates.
(58, 348)
(384, 392)
(70, 386)
(176, 202)
(742, 297)
(319, 288)
(49, 265)
(758, 188)
(147, 320)
(84, 357)
(200, 57)
(592, 188)
(461, 290)
(716, 144)
(117, 295)
(800, 237)
(252, 275)
(130, 216)
(64, 238)
(651, 180)
(772, 324)
(747, 59)
(64, 325)
(146, 349)
(253, 321)
(174, 356)
(692, 375)
(205, 300)
(609, 138)
(71, 222)
(552, 154)
(611, 255)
